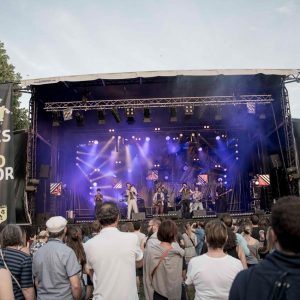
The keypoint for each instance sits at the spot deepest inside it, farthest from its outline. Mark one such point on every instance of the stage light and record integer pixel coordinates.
(237, 158)
(96, 142)
(181, 135)
(156, 129)
(225, 170)
(193, 134)
(218, 137)
(130, 115)
(225, 176)
(79, 119)
(147, 116)
(166, 177)
(200, 149)
(119, 137)
(147, 139)
(236, 145)
(94, 183)
(101, 117)
(189, 110)
(116, 115)
(173, 114)
(167, 138)
(236, 151)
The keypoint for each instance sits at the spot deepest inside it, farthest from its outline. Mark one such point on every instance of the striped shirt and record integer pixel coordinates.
(20, 265)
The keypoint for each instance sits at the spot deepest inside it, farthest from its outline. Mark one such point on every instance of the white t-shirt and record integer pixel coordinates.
(141, 237)
(112, 255)
(212, 277)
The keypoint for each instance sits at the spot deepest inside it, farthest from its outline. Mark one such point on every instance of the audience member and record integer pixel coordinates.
(190, 242)
(253, 245)
(55, 265)
(212, 273)
(41, 240)
(17, 262)
(152, 232)
(137, 230)
(226, 218)
(278, 275)
(6, 288)
(198, 229)
(233, 249)
(74, 241)
(255, 228)
(95, 228)
(112, 256)
(163, 265)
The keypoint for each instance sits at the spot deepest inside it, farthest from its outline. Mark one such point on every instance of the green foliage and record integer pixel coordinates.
(8, 74)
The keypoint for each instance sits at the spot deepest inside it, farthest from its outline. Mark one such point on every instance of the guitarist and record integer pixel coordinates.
(221, 198)
(158, 201)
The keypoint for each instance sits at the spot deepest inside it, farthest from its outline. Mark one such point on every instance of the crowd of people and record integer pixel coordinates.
(221, 259)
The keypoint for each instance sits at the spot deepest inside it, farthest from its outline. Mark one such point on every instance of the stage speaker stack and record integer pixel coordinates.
(175, 214)
(138, 216)
(199, 213)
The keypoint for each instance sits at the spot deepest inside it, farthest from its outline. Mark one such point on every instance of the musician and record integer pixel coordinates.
(98, 199)
(185, 200)
(166, 198)
(221, 197)
(197, 197)
(131, 195)
(158, 201)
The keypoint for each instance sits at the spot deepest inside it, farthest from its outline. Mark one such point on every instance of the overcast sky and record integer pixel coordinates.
(52, 38)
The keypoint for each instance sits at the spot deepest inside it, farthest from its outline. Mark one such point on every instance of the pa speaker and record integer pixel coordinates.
(138, 216)
(199, 213)
(44, 171)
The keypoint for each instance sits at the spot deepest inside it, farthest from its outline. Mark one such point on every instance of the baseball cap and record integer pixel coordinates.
(56, 224)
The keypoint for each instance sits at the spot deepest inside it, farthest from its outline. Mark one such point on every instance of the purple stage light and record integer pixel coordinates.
(200, 149)
(218, 137)
(96, 142)
(94, 183)
(167, 138)
(147, 139)
(166, 177)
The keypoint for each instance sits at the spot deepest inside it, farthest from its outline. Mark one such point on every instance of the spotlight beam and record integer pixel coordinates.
(82, 171)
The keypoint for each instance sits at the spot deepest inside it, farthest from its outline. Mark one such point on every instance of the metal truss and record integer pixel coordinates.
(293, 78)
(158, 102)
(31, 159)
(292, 160)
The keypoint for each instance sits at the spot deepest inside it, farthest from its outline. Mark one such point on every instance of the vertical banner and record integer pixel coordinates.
(7, 201)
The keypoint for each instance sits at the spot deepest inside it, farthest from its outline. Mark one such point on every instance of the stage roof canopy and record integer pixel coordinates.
(148, 74)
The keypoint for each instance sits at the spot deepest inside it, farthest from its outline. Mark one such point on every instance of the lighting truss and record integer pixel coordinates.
(158, 102)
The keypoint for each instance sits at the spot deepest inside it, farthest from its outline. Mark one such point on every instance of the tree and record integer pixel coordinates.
(8, 74)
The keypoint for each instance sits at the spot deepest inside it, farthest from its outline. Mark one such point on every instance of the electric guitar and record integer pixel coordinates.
(224, 193)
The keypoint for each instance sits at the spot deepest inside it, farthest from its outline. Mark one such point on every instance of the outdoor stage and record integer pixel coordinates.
(199, 127)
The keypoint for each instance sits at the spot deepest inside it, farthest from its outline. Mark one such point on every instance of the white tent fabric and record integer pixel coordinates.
(147, 74)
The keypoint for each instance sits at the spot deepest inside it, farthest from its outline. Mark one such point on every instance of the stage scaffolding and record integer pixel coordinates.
(158, 102)
(59, 104)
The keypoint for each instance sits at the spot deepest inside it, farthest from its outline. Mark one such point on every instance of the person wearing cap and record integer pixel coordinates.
(55, 265)
(41, 241)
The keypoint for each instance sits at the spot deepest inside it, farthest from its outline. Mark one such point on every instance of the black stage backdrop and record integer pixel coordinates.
(7, 200)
